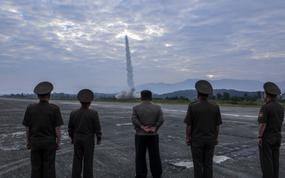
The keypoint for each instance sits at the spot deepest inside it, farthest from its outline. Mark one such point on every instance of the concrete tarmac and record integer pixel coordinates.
(236, 155)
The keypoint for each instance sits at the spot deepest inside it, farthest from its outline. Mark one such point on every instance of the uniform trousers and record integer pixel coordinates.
(83, 156)
(148, 143)
(43, 159)
(202, 155)
(269, 157)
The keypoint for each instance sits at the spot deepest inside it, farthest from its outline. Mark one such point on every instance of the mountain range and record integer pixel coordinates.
(191, 94)
(229, 84)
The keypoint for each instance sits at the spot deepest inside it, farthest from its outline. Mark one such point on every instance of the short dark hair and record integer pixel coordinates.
(146, 95)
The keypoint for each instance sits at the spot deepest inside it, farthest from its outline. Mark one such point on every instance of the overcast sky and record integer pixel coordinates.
(77, 44)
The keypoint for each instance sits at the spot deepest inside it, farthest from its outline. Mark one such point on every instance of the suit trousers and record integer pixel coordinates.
(148, 143)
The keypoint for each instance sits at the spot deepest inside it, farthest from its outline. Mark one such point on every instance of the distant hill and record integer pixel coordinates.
(191, 94)
(240, 85)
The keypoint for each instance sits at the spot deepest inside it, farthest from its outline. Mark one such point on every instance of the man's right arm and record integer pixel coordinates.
(58, 137)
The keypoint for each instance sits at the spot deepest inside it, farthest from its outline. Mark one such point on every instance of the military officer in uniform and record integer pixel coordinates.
(83, 125)
(203, 119)
(270, 120)
(43, 121)
(147, 119)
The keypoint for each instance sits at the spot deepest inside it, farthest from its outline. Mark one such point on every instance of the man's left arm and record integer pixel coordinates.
(98, 129)
(28, 140)
(218, 123)
(187, 134)
(282, 117)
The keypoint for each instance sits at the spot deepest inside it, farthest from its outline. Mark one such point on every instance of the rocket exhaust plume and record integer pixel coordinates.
(130, 74)
(130, 93)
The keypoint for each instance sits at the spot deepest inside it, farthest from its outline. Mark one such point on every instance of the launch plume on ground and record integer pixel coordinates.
(130, 92)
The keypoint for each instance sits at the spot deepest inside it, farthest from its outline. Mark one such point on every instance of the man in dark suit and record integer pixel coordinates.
(147, 119)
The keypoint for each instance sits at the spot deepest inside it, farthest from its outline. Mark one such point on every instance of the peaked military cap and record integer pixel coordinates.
(85, 96)
(271, 88)
(204, 87)
(43, 88)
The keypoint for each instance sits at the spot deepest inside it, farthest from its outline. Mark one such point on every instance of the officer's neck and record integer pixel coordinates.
(85, 106)
(202, 98)
(270, 99)
(44, 100)
(146, 101)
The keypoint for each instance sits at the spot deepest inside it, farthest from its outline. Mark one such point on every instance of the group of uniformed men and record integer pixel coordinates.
(203, 118)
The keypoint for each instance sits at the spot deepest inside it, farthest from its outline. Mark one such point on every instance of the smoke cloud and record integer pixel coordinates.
(130, 93)
(130, 74)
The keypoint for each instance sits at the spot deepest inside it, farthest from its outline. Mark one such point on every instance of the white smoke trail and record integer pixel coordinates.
(130, 93)
(130, 75)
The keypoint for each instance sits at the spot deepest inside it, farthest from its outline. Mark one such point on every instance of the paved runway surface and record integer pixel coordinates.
(236, 154)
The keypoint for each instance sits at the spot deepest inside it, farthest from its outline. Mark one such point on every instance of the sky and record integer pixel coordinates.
(80, 43)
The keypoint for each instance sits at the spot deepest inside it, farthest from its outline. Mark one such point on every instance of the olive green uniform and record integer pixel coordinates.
(204, 117)
(272, 114)
(41, 119)
(82, 126)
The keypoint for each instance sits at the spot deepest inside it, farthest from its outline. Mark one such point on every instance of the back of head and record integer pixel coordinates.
(271, 89)
(43, 90)
(204, 89)
(85, 96)
(146, 95)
